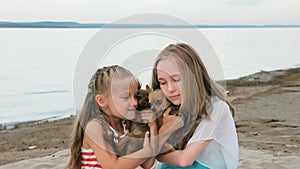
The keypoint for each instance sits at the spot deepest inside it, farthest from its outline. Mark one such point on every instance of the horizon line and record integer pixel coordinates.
(73, 24)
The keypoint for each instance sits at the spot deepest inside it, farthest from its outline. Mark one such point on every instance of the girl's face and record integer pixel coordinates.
(169, 78)
(122, 102)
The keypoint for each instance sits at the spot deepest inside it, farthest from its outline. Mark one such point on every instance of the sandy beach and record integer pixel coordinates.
(267, 117)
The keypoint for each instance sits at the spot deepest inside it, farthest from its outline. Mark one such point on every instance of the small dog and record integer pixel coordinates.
(159, 104)
(133, 141)
(155, 102)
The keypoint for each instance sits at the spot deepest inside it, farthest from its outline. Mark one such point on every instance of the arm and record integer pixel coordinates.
(153, 137)
(184, 157)
(105, 155)
(148, 163)
(171, 123)
(220, 122)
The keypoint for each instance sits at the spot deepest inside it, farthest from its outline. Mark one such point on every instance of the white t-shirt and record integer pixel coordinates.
(222, 152)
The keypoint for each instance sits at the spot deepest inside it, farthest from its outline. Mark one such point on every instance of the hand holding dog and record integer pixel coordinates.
(171, 123)
(148, 117)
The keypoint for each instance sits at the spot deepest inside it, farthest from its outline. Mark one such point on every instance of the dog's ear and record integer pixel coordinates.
(148, 89)
(139, 85)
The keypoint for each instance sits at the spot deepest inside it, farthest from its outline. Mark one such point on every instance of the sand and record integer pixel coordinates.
(267, 120)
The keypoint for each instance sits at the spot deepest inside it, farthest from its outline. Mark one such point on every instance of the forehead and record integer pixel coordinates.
(125, 84)
(167, 66)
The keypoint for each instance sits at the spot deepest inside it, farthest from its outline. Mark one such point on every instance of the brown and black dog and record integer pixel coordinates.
(133, 141)
(153, 101)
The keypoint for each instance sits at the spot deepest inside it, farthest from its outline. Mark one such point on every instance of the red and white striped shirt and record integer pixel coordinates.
(89, 160)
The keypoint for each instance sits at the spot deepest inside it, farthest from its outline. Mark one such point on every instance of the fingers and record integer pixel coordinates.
(146, 140)
(167, 112)
(179, 121)
(147, 135)
(172, 122)
(148, 117)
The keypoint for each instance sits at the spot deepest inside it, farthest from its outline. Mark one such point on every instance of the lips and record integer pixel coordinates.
(131, 109)
(175, 96)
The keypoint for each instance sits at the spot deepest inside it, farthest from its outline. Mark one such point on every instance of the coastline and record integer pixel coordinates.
(258, 78)
(267, 120)
(16, 125)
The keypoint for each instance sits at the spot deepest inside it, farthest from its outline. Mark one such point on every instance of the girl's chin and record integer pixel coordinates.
(130, 116)
(176, 102)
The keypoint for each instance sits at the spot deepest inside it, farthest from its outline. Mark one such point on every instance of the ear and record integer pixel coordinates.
(148, 89)
(139, 85)
(101, 100)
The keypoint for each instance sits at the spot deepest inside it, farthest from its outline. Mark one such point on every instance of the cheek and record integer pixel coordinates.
(164, 89)
(179, 86)
(118, 103)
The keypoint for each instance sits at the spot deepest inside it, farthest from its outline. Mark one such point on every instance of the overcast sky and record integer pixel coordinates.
(193, 11)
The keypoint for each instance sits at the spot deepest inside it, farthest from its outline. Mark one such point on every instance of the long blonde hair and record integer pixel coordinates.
(197, 88)
(100, 83)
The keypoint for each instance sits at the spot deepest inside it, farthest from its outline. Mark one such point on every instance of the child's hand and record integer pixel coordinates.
(147, 144)
(171, 123)
(148, 117)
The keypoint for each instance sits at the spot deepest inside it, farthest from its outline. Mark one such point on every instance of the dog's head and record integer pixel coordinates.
(143, 98)
(158, 102)
(154, 101)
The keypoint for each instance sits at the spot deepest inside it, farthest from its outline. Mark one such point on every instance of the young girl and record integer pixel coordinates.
(209, 138)
(101, 123)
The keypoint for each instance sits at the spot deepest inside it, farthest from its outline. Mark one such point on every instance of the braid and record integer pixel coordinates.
(103, 78)
(100, 83)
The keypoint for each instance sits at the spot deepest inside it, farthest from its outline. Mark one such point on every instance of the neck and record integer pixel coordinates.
(116, 124)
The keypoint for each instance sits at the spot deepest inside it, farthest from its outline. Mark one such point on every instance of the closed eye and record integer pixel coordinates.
(158, 101)
(162, 83)
(126, 97)
(177, 80)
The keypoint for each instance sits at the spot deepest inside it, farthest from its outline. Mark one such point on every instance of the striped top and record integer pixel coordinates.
(89, 160)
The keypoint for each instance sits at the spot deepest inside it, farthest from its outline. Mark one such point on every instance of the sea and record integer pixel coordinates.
(38, 65)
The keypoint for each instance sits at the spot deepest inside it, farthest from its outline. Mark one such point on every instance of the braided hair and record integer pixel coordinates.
(100, 83)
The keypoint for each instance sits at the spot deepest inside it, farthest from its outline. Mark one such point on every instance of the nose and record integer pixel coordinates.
(171, 87)
(133, 101)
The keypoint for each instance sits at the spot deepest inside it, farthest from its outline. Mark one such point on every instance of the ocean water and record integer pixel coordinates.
(37, 65)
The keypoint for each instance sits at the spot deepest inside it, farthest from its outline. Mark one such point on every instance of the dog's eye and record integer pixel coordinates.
(158, 101)
(137, 97)
(144, 103)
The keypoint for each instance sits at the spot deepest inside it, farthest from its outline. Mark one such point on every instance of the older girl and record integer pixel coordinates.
(208, 138)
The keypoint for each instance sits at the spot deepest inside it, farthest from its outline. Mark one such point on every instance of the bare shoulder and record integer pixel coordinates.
(94, 127)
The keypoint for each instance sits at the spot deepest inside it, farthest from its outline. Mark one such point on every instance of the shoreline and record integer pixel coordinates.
(16, 125)
(258, 78)
(267, 121)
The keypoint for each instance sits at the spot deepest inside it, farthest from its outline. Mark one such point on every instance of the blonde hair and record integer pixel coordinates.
(100, 83)
(197, 88)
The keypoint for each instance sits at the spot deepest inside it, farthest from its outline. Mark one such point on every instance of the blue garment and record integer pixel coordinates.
(195, 165)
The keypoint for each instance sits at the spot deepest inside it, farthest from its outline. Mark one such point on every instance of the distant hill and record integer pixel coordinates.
(50, 24)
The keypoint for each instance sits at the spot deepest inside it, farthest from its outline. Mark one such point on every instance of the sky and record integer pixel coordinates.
(193, 11)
